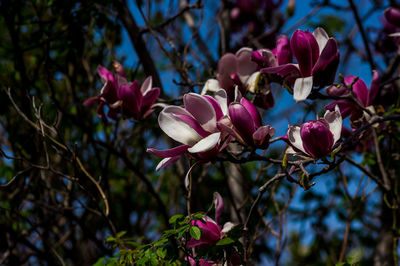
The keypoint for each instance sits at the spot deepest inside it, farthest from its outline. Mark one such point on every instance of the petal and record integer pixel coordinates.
(252, 111)
(294, 138)
(222, 99)
(317, 138)
(90, 101)
(212, 85)
(314, 46)
(215, 105)
(328, 55)
(202, 111)
(227, 227)
(166, 161)
(227, 65)
(242, 121)
(262, 135)
(170, 152)
(335, 122)
(245, 65)
(188, 119)
(346, 107)
(322, 38)
(264, 58)
(393, 15)
(146, 86)
(121, 75)
(219, 206)
(253, 82)
(130, 97)
(175, 128)
(336, 91)
(360, 89)
(206, 143)
(150, 98)
(225, 125)
(105, 74)
(374, 87)
(283, 70)
(283, 52)
(302, 88)
(303, 51)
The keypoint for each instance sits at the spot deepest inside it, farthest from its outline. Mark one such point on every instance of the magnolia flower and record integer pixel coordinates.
(211, 231)
(318, 58)
(245, 124)
(236, 70)
(194, 125)
(122, 96)
(317, 138)
(280, 55)
(108, 94)
(202, 262)
(137, 102)
(360, 92)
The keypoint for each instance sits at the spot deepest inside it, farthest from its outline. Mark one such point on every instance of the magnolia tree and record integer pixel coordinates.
(234, 133)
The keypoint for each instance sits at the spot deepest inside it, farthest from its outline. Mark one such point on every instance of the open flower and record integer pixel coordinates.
(245, 125)
(317, 57)
(124, 97)
(108, 94)
(137, 102)
(360, 92)
(317, 138)
(211, 231)
(280, 55)
(194, 125)
(236, 70)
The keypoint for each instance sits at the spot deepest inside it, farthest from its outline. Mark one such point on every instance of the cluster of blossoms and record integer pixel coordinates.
(206, 124)
(123, 97)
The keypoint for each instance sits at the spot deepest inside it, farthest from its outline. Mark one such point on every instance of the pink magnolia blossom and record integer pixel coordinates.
(236, 70)
(360, 92)
(392, 15)
(240, 71)
(202, 262)
(195, 125)
(280, 55)
(211, 231)
(317, 57)
(124, 97)
(316, 138)
(245, 124)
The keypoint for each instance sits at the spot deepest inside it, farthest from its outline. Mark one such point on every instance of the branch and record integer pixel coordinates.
(363, 35)
(137, 41)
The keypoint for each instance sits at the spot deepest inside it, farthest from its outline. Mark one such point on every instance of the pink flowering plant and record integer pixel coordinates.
(297, 126)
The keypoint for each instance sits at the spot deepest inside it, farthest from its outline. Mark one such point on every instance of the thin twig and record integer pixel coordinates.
(363, 35)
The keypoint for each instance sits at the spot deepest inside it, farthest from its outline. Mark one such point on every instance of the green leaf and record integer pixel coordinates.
(160, 242)
(99, 262)
(121, 234)
(161, 252)
(174, 218)
(110, 239)
(195, 232)
(225, 241)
